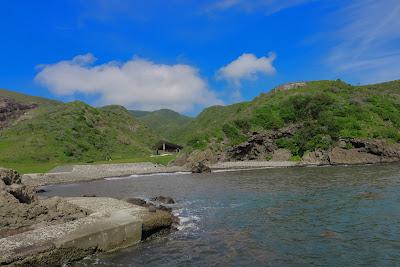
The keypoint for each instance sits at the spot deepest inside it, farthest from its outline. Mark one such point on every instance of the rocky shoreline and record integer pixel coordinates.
(39, 231)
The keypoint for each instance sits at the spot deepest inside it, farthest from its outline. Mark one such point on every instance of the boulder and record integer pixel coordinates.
(19, 206)
(317, 157)
(377, 147)
(9, 176)
(352, 156)
(206, 156)
(259, 145)
(164, 200)
(200, 167)
(281, 155)
(20, 192)
(137, 201)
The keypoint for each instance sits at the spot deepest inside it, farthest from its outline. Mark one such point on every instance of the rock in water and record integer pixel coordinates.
(137, 201)
(200, 167)
(164, 200)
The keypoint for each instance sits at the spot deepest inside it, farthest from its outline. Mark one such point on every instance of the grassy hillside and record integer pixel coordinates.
(327, 111)
(167, 123)
(26, 99)
(139, 113)
(74, 132)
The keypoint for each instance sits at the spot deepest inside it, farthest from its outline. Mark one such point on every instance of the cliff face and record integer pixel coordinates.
(10, 110)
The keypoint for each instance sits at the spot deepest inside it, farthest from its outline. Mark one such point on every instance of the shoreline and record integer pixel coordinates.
(87, 173)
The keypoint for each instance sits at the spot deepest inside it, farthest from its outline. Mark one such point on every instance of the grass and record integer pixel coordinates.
(76, 132)
(35, 167)
(165, 122)
(325, 110)
(29, 167)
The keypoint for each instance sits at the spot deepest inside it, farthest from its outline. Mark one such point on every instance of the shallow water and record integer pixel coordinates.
(322, 216)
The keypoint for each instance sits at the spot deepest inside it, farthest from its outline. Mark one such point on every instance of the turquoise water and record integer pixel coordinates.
(324, 216)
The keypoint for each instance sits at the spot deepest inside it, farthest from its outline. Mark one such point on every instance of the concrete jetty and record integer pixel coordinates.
(111, 224)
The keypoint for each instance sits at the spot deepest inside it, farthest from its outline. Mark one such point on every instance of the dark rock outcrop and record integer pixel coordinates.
(355, 151)
(11, 110)
(10, 182)
(163, 200)
(259, 145)
(20, 208)
(9, 176)
(200, 167)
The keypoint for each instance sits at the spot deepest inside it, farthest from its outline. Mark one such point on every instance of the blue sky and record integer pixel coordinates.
(188, 54)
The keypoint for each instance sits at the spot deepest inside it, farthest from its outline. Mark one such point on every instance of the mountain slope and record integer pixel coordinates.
(73, 132)
(323, 112)
(167, 123)
(27, 99)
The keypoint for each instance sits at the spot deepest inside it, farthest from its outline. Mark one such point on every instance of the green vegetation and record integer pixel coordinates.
(26, 99)
(325, 111)
(74, 133)
(42, 167)
(167, 123)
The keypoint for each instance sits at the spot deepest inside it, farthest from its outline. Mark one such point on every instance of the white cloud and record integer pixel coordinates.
(137, 83)
(367, 41)
(247, 67)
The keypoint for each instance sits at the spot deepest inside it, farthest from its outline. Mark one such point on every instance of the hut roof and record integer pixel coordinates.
(160, 143)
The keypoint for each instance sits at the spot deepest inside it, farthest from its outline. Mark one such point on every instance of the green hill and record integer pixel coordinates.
(167, 123)
(325, 111)
(27, 99)
(57, 133)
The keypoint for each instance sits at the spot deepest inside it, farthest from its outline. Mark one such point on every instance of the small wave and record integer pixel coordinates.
(244, 169)
(186, 221)
(145, 175)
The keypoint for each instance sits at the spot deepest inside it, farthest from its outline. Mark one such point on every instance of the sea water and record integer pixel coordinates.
(320, 216)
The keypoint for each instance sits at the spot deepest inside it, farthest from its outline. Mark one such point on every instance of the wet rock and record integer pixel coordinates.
(164, 208)
(137, 201)
(163, 199)
(200, 167)
(88, 195)
(40, 191)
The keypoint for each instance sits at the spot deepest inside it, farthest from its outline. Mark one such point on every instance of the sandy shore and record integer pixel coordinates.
(82, 173)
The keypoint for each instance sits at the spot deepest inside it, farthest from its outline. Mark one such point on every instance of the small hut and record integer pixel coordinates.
(165, 146)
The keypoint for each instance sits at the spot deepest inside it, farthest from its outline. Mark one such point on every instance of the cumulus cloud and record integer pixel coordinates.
(247, 67)
(137, 83)
(366, 44)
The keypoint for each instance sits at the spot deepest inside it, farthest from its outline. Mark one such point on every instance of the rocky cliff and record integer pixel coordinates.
(10, 110)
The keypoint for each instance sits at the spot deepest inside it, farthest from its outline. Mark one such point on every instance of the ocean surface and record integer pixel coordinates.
(320, 216)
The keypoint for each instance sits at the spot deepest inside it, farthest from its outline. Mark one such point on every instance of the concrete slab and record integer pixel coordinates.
(112, 224)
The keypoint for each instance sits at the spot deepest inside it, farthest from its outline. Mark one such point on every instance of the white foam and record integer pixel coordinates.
(146, 175)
